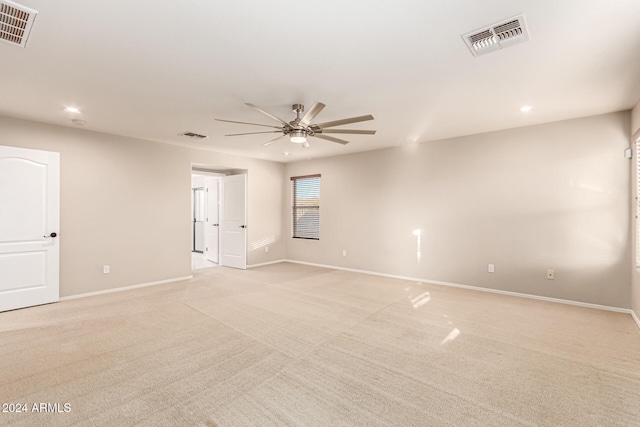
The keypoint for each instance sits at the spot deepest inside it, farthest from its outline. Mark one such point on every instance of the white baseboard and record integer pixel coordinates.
(477, 288)
(266, 263)
(374, 273)
(126, 288)
(635, 317)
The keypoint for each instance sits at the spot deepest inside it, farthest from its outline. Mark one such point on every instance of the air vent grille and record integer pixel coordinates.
(193, 135)
(15, 22)
(497, 36)
(508, 30)
(483, 35)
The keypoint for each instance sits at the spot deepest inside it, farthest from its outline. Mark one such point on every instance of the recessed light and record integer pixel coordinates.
(71, 110)
(286, 153)
(526, 108)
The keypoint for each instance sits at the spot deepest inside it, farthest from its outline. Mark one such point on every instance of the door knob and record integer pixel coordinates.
(243, 226)
(51, 235)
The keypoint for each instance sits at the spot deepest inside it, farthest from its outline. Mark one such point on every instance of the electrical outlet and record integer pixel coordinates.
(550, 274)
(344, 252)
(491, 268)
(106, 269)
(266, 248)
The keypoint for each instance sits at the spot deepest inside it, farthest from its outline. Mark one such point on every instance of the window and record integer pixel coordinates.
(305, 195)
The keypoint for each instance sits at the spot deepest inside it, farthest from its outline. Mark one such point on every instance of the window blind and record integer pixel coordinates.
(305, 194)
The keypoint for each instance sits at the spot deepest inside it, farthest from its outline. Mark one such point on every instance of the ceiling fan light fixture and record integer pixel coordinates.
(298, 136)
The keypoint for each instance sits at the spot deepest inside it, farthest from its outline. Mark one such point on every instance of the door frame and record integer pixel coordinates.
(212, 221)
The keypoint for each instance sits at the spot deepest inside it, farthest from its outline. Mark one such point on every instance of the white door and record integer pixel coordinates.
(213, 220)
(233, 224)
(29, 221)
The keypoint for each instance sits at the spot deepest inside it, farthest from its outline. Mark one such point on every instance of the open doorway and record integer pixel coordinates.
(204, 219)
(218, 217)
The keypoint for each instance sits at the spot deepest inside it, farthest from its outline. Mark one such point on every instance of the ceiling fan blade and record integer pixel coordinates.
(253, 133)
(312, 113)
(332, 139)
(246, 123)
(268, 114)
(343, 122)
(351, 131)
(273, 140)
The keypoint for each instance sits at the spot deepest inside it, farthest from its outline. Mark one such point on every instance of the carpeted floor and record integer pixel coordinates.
(289, 344)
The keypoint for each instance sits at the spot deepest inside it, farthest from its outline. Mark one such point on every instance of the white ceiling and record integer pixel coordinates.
(154, 69)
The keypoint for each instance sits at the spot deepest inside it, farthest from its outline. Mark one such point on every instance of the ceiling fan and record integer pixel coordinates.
(300, 128)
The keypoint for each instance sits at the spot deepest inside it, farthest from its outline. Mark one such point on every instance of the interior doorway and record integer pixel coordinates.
(203, 205)
(218, 217)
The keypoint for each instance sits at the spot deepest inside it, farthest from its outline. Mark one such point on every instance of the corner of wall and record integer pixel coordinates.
(635, 274)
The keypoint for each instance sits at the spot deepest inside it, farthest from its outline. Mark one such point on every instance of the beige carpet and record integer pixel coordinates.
(288, 344)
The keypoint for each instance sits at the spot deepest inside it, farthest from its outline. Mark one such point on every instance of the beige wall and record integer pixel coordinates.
(126, 203)
(552, 196)
(635, 272)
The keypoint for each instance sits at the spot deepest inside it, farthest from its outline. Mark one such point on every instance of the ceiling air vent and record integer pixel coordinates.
(15, 22)
(193, 135)
(497, 36)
